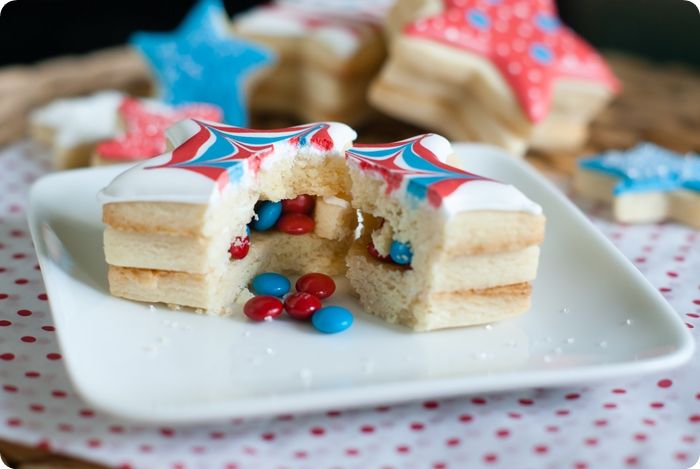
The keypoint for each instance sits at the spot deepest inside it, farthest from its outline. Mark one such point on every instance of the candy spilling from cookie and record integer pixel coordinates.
(194, 226)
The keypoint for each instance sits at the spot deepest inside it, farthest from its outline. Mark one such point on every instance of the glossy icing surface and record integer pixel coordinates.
(647, 168)
(208, 157)
(524, 39)
(416, 169)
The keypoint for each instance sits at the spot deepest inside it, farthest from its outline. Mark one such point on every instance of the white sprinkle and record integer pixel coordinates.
(269, 319)
(628, 322)
(570, 340)
(151, 308)
(603, 344)
(564, 310)
(270, 351)
(488, 327)
(482, 355)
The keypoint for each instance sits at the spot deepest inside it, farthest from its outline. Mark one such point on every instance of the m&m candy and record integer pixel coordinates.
(317, 284)
(295, 224)
(239, 247)
(401, 253)
(259, 308)
(271, 283)
(301, 305)
(332, 319)
(374, 253)
(303, 203)
(267, 215)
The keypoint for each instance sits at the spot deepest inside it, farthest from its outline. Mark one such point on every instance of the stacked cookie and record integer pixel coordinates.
(440, 247)
(504, 72)
(175, 223)
(327, 53)
(645, 184)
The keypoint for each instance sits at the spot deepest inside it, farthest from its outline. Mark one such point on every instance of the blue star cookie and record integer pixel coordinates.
(200, 62)
(647, 168)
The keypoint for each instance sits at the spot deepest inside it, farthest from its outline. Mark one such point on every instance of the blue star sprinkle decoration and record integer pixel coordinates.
(201, 62)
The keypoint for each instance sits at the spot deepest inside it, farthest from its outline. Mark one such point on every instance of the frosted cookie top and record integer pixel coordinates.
(208, 157)
(415, 169)
(339, 24)
(80, 120)
(145, 122)
(524, 39)
(647, 168)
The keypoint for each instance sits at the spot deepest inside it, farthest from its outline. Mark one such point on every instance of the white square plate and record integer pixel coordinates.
(157, 365)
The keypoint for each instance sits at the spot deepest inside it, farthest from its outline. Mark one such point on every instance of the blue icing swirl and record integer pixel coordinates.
(647, 168)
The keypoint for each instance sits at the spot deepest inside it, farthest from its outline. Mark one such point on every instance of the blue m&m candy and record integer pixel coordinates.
(401, 253)
(332, 319)
(271, 284)
(267, 215)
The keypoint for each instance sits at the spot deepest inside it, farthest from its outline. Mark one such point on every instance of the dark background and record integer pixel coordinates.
(667, 30)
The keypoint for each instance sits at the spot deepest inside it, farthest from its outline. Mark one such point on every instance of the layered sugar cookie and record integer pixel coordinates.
(440, 247)
(177, 225)
(144, 123)
(327, 54)
(507, 73)
(646, 184)
(72, 127)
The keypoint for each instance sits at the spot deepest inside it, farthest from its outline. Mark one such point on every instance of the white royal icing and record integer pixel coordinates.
(80, 120)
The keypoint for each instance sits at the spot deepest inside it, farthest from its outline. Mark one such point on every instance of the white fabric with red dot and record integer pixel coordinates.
(652, 421)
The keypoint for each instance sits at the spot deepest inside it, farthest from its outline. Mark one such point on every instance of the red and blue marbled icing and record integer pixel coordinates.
(415, 163)
(219, 151)
(208, 157)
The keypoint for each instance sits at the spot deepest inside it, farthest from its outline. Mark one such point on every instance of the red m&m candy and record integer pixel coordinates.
(301, 305)
(374, 253)
(295, 223)
(239, 247)
(303, 203)
(317, 284)
(260, 307)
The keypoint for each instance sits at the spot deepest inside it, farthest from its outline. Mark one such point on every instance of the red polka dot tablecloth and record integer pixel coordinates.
(649, 422)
